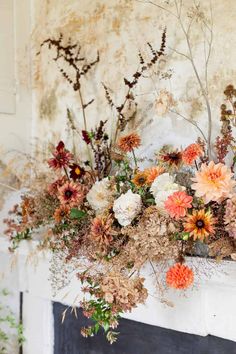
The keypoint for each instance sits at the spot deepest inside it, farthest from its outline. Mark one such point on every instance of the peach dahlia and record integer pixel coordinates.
(213, 182)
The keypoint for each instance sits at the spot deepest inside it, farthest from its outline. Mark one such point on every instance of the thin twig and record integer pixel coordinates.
(191, 122)
(9, 187)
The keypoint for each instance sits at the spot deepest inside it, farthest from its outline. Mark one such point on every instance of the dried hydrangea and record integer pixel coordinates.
(152, 239)
(127, 207)
(125, 292)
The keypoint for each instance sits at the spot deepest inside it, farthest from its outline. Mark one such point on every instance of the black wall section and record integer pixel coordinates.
(134, 338)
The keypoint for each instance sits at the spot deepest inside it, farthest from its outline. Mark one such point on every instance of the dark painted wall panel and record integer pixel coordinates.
(134, 338)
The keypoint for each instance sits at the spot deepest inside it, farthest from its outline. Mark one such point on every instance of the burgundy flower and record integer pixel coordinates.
(76, 171)
(86, 137)
(62, 157)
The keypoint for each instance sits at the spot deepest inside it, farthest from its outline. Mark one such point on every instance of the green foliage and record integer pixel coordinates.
(20, 236)
(104, 315)
(7, 322)
(77, 214)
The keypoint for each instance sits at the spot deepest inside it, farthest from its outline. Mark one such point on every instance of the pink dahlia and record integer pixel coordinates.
(213, 182)
(178, 203)
(71, 194)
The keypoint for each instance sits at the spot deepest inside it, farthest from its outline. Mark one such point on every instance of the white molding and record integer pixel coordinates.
(208, 308)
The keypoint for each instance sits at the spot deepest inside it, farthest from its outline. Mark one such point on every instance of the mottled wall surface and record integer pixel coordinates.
(119, 29)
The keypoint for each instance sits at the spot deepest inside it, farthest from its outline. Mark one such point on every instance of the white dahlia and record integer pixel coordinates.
(100, 195)
(162, 187)
(127, 207)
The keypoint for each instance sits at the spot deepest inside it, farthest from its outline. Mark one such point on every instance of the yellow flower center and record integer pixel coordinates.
(77, 171)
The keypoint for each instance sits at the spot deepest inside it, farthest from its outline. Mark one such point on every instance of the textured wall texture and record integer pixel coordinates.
(119, 29)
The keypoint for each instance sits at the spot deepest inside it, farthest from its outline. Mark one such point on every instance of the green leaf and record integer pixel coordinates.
(96, 328)
(77, 214)
(185, 236)
(106, 326)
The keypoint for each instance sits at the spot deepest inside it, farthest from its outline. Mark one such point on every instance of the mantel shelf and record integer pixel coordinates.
(207, 308)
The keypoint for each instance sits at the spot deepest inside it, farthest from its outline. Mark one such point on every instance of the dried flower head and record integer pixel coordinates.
(230, 216)
(129, 142)
(200, 224)
(61, 213)
(178, 203)
(126, 293)
(152, 239)
(86, 137)
(191, 153)
(179, 277)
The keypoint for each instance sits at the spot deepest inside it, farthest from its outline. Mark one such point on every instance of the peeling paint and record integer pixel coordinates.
(119, 29)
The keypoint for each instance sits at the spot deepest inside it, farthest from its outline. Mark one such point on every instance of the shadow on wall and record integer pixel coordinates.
(134, 338)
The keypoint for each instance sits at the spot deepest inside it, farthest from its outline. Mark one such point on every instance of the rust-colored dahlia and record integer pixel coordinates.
(101, 230)
(61, 157)
(191, 153)
(200, 224)
(61, 212)
(172, 159)
(140, 179)
(129, 142)
(153, 173)
(179, 277)
(71, 194)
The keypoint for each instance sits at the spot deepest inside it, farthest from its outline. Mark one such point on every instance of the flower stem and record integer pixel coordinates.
(85, 125)
(135, 160)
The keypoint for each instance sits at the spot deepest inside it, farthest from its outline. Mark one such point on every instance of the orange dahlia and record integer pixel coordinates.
(179, 276)
(153, 172)
(213, 182)
(191, 153)
(178, 203)
(129, 142)
(199, 224)
(140, 179)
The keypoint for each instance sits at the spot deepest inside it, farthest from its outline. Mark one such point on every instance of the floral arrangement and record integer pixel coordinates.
(121, 220)
(108, 216)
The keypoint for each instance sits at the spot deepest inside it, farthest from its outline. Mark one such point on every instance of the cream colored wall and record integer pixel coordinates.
(119, 29)
(15, 77)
